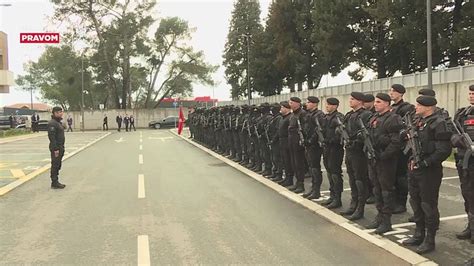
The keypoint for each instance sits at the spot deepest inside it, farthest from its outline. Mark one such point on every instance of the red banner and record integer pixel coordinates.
(180, 121)
(39, 37)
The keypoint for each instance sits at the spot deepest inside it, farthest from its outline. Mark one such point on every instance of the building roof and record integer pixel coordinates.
(36, 106)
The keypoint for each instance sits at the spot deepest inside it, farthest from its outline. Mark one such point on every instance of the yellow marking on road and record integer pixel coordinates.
(143, 250)
(17, 173)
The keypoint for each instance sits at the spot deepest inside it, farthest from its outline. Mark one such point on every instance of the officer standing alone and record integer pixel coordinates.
(56, 146)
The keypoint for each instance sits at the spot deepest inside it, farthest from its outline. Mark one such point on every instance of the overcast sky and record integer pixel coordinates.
(210, 18)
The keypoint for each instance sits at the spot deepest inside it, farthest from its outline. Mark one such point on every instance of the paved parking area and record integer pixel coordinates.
(21, 157)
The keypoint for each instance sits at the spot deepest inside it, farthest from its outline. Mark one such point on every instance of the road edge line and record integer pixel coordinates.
(384, 243)
(5, 189)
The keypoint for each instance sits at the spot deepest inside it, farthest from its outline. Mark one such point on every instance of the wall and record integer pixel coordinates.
(451, 86)
(93, 119)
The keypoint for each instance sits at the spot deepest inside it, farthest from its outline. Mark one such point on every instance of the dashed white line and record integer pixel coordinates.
(442, 219)
(141, 186)
(140, 159)
(141, 147)
(451, 177)
(143, 251)
(141, 140)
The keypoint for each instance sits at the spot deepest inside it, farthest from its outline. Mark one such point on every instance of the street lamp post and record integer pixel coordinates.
(82, 93)
(249, 92)
(428, 43)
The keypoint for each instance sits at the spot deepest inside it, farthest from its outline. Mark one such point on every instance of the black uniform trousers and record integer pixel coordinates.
(382, 176)
(332, 158)
(424, 191)
(56, 163)
(466, 178)
(277, 159)
(297, 155)
(356, 164)
(286, 158)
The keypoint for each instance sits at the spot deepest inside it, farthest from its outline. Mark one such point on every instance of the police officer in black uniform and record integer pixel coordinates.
(285, 145)
(314, 150)
(465, 118)
(56, 146)
(274, 142)
(297, 149)
(333, 153)
(426, 172)
(384, 129)
(369, 101)
(356, 160)
(401, 108)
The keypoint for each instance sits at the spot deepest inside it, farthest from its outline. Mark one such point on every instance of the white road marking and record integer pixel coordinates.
(119, 140)
(141, 140)
(143, 250)
(141, 147)
(163, 139)
(141, 186)
(327, 191)
(451, 177)
(442, 219)
(31, 168)
(140, 159)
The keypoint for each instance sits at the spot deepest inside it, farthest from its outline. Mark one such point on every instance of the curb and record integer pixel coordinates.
(28, 136)
(395, 249)
(5, 189)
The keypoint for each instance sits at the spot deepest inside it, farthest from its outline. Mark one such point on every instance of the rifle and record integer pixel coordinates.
(237, 122)
(467, 142)
(230, 123)
(368, 146)
(413, 142)
(248, 128)
(243, 125)
(342, 129)
(225, 126)
(319, 132)
(300, 132)
(256, 131)
(266, 132)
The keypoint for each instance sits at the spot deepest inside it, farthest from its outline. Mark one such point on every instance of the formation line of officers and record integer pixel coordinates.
(391, 148)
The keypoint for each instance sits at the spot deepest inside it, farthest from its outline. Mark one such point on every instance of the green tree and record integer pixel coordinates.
(244, 27)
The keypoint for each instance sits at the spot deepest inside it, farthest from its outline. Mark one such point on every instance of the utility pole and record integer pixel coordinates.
(429, 46)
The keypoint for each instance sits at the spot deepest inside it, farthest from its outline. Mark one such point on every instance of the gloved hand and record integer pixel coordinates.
(457, 141)
(422, 164)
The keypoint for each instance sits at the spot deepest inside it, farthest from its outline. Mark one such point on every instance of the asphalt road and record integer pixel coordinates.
(151, 197)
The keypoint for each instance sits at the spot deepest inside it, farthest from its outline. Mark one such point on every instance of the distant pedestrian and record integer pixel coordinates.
(132, 123)
(34, 122)
(56, 146)
(69, 123)
(119, 120)
(105, 124)
(126, 120)
(11, 119)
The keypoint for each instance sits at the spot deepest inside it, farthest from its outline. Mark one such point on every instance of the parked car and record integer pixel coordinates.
(168, 122)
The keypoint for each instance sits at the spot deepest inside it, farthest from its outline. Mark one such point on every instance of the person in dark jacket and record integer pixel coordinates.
(426, 172)
(132, 123)
(401, 108)
(384, 127)
(56, 146)
(119, 122)
(285, 112)
(105, 123)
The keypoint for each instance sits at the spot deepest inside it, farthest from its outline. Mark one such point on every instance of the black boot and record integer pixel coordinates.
(370, 200)
(299, 188)
(316, 186)
(471, 225)
(328, 201)
(411, 219)
(335, 203)
(428, 244)
(57, 185)
(359, 211)
(417, 238)
(385, 225)
(351, 209)
(376, 222)
(307, 194)
(466, 233)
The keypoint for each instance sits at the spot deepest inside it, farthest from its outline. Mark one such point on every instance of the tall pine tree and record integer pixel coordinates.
(244, 26)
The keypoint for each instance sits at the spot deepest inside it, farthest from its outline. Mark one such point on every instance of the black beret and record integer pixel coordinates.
(57, 109)
(399, 88)
(368, 98)
(332, 101)
(313, 99)
(384, 97)
(426, 100)
(285, 104)
(358, 95)
(427, 92)
(471, 88)
(295, 99)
